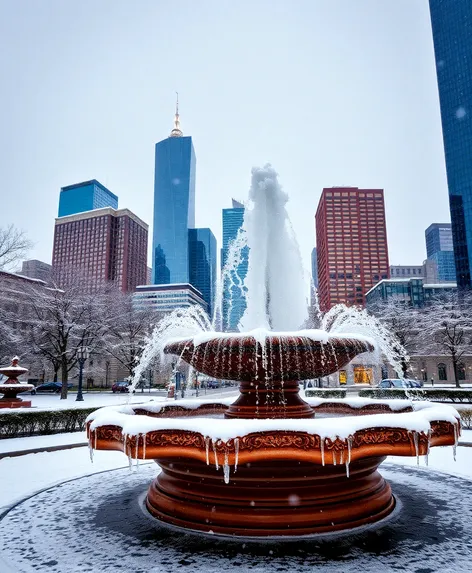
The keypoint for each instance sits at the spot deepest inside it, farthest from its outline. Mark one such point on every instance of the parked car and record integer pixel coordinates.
(397, 383)
(121, 386)
(212, 384)
(51, 387)
(415, 383)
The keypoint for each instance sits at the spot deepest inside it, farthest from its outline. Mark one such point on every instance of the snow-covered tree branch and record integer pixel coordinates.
(129, 326)
(13, 246)
(402, 322)
(445, 327)
(58, 321)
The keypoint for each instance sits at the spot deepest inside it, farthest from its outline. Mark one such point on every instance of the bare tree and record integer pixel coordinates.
(11, 306)
(129, 326)
(61, 320)
(13, 246)
(446, 327)
(9, 340)
(401, 319)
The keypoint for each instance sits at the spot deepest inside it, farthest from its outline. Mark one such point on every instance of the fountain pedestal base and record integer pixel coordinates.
(277, 400)
(267, 499)
(14, 403)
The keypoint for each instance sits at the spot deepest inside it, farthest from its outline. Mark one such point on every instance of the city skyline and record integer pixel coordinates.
(375, 123)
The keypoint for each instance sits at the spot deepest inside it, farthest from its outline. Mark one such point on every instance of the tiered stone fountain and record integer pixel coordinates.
(264, 465)
(11, 388)
(274, 471)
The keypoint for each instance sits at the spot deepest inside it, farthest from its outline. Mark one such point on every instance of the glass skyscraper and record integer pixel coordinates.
(439, 248)
(452, 35)
(174, 207)
(202, 257)
(85, 196)
(234, 301)
(438, 238)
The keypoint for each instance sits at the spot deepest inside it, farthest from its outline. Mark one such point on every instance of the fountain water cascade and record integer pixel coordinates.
(265, 464)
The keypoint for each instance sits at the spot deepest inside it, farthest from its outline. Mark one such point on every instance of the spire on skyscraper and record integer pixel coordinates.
(176, 132)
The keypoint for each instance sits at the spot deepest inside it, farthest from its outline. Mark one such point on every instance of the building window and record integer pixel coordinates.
(442, 371)
(461, 371)
(363, 375)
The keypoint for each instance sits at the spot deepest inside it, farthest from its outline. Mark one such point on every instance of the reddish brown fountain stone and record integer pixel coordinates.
(268, 374)
(11, 388)
(277, 483)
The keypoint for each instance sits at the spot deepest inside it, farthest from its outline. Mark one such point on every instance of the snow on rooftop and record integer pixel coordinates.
(440, 285)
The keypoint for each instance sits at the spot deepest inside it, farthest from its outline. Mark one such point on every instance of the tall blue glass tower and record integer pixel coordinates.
(234, 301)
(202, 257)
(452, 35)
(85, 196)
(174, 207)
(439, 248)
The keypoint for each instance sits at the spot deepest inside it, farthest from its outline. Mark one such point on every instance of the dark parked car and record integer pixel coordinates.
(212, 384)
(397, 383)
(121, 386)
(50, 387)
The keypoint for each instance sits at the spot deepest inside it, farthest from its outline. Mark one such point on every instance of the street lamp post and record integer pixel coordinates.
(82, 353)
(107, 372)
(175, 381)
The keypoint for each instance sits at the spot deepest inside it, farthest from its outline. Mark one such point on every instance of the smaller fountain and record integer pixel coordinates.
(11, 388)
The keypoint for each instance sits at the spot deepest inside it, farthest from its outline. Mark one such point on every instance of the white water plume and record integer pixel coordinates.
(344, 319)
(276, 293)
(181, 322)
(274, 288)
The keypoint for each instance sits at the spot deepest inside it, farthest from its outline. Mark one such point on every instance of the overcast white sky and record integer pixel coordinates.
(331, 92)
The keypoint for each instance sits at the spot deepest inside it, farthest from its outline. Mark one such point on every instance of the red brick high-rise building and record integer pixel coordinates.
(103, 245)
(352, 247)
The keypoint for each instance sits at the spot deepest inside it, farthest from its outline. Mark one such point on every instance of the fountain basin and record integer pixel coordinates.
(266, 478)
(269, 356)
(10, 397)
(269, 365)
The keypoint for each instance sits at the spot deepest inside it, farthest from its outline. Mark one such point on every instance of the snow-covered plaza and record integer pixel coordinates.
(70, 514)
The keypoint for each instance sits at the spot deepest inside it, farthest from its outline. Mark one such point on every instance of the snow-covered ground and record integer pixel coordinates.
(99, 399)
(37, 442)
(30, 473)
(25, 475)
(43, 515)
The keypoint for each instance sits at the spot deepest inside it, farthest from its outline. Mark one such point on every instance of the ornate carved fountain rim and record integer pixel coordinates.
(151, 432)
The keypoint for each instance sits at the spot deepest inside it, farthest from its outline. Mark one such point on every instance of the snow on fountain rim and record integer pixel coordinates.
(229, 429)
(357, 403)
(16, 386)
(261, 334)
(156, 407)
(13, 369)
